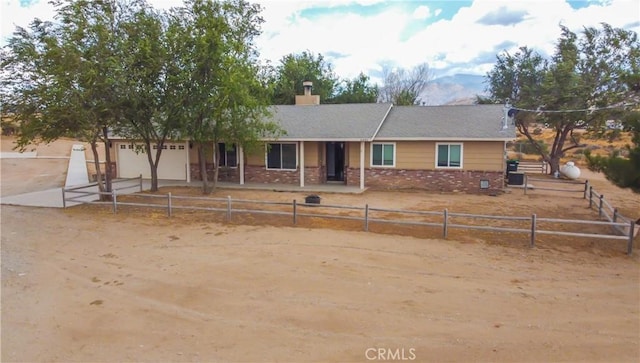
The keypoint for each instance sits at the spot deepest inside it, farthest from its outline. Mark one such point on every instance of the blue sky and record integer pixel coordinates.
(452, 37)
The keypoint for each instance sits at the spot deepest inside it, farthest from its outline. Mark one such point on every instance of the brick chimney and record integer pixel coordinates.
(307, 98)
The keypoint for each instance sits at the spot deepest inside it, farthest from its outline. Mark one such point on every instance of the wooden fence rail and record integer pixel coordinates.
(596, 201)
(367, 215)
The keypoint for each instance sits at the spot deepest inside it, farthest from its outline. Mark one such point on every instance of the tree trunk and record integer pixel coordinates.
(216, 172)
(153, 166)
(557, 149)
(203, 169)
(554, 164)
(96, 163)
(107, 157)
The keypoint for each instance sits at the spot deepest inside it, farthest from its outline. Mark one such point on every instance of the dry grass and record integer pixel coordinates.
(598, 145)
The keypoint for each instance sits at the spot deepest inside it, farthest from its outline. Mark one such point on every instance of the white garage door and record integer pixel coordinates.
(131, 164)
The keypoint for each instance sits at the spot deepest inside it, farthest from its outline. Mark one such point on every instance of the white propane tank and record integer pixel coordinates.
(570, 170)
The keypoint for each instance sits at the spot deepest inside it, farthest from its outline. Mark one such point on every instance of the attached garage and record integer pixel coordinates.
(132, 161)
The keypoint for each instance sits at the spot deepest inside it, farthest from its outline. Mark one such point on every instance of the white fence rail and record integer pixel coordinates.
(533, 167)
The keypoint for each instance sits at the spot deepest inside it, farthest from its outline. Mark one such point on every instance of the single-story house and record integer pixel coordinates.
(377, 145)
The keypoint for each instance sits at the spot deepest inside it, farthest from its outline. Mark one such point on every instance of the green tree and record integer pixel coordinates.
(622, 171)
(217, 91)
(293, 69)
(404, 87)
(144, 59)
(358, 90)
(579, 87)
(61, 79)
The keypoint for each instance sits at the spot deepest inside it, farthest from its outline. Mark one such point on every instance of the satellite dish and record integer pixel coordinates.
(512, 112)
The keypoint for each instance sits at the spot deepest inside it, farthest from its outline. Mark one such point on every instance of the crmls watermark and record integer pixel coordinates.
(387, 354)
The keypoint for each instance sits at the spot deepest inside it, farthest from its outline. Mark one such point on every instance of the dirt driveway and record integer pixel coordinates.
(86, 285)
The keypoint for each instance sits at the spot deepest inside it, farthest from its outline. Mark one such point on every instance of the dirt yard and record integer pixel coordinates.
(86, 285)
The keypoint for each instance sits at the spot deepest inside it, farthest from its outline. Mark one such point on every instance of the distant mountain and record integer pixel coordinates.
(459, 89)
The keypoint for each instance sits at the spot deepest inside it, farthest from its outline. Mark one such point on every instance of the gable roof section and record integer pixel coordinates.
(459, 122)
(328, 122)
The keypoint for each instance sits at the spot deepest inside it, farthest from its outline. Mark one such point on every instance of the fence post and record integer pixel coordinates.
(532, 243)
(615, 215)
(228, 208)
(586, 187)
(366, 218)
(590, 196)
(140, 179)
(632, 226)
(526, 182)
(113, 198)
(64, 202)
(295, 220)
(600, 206)
(445, 224)
(169, 204)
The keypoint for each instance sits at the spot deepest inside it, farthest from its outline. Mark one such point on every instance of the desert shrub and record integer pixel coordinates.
(537, 131)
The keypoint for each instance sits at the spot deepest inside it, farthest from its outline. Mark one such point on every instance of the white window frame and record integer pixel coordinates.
(395, 149)
(225, 156)
(449, 156)
(266, 155)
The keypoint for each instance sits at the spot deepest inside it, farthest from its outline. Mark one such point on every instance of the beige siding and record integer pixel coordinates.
(415, 155)
(312, 153)
(354, 154)
(410, 155)
(488, 155)
(421, 155)
(256, 156)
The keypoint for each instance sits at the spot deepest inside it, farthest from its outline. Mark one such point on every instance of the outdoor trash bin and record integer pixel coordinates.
(312, 199)
(515, 178)
(512, 165)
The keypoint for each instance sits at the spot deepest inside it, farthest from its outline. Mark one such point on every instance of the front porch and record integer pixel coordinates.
(276, 187)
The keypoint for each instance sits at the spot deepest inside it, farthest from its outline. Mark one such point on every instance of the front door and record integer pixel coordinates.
(335, 161)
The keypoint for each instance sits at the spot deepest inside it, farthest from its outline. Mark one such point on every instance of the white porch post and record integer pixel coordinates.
(301, 163)
(361, 164)
(188, 166)
(241, 164)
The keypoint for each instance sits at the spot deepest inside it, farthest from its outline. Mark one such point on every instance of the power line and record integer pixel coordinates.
(593, 109)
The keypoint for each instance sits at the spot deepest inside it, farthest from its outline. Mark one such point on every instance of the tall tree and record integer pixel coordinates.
(61, 79)
(287, 78)
(216, 89)
(358, 90)
(579, 87)
(144, 60)
(404, 87)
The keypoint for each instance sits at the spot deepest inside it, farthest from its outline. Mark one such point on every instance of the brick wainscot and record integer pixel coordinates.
(433, 180)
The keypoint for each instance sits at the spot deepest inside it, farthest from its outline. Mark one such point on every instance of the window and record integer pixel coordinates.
(282, 156)
(180, 147)
(383, 154)
(227, 157)
(449, 155)
(172, 147)
(123, 146)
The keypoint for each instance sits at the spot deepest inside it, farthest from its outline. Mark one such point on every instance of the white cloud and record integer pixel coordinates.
(12, 14)
(354, 42)
(422, 12)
